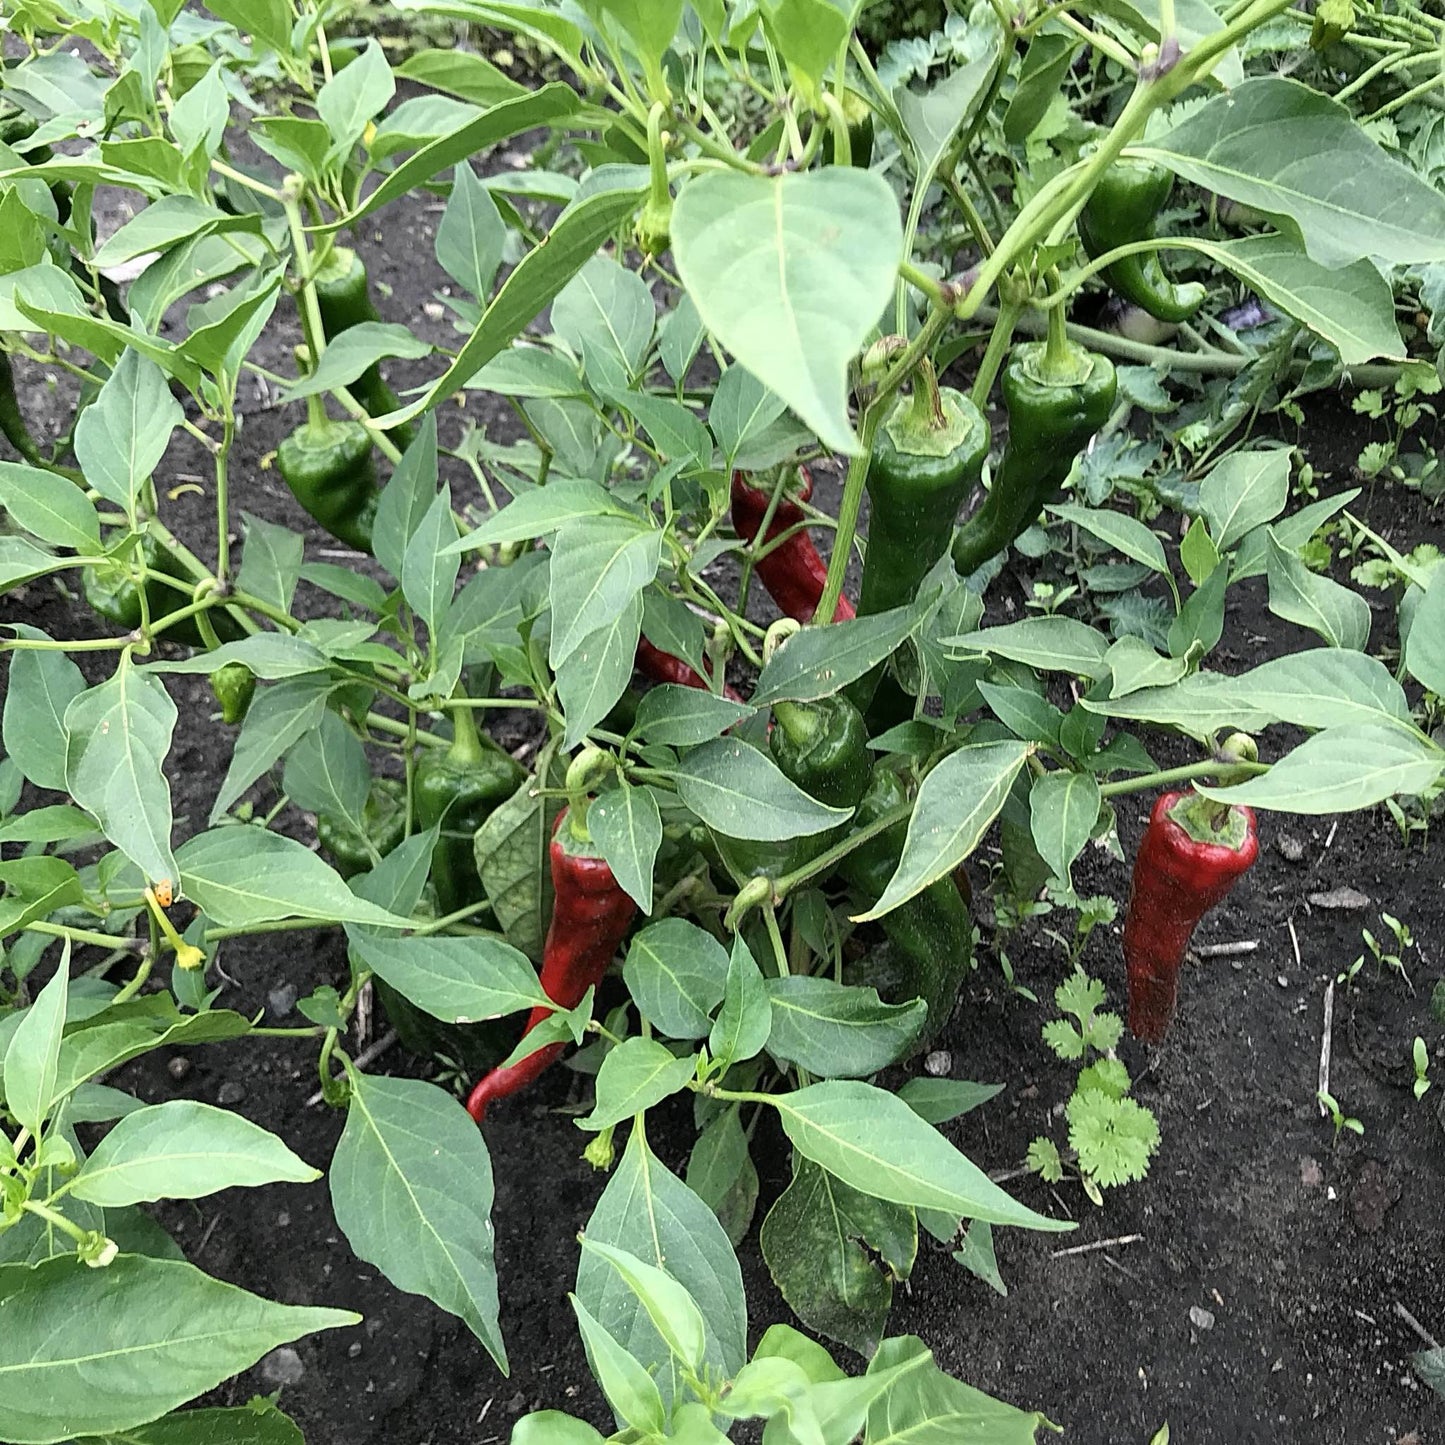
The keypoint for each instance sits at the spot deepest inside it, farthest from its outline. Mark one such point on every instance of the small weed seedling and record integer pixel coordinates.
(1420, 1056)
(1112, 1136)
(1404, 940)
(1338, 1117)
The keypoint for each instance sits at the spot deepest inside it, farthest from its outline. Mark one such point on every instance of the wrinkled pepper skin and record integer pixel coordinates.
(1130, 194)
(591, 914)
(234, 685)
(344, 297)
(457, 791)
(384, 817)
(329, 468)
(822, 747)
(1049, 425)
(795, 573)
(114, 595)
(933, 932)
(1177, 880)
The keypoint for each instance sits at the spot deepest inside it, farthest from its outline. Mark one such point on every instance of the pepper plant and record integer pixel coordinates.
(747, 244)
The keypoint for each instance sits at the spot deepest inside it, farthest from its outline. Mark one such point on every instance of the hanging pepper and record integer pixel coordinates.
(344, 297)
(457, 791)
(234, 685)
(927, 457)
(1057, 395)
(794, 573)
(328, 466)
(858, 117)
(659, 666)
(1121, 211)
(932, 933)
(1193, 851)
(113, 593)
(654, 225)
(822, 747)
(13, 426)
(384, 819)
(591, 914)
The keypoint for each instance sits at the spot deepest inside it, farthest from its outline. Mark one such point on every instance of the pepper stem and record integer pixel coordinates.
(1062, 363)
(658, 193)
(316, 417)
(925, 410)
(801, 723)
(466, 748)
(587, 765)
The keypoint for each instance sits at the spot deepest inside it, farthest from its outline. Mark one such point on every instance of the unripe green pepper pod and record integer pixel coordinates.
(1121, 211)
(234, 685)
(654, 225)
(329, 468)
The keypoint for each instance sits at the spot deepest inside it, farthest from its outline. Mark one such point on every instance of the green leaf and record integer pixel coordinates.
(1324, 687)
(1134, 665)
(279, 718)
(745, 1020)
(1121, 532)
(742, 414)
(121, 438)
(1243, 491)
(836, 1031)
(458, 980)
(428, 570)
(471, 235)
(791, 273)
(92, 1351)
(357, 348)
(32, 1056)
(818, 661)
(627, 828)
(42, 684)
(1340, 770)
(162, 224)
(834, 1254)
(351, 97)
(634, 1076)
(184, 1150)
(1326, 607)
(739, 791)
(407, 497)
(61, 516)
(240, 876)
(720, 1171)
(680, 717)
(541, 512)
(511, 853)
(939, 1100)
(1051, 644)
(606, 315)
(268, 654)
(258, 1423)
(922, 1405)
(1022, 711)
(596, 672)
(629, 1389)
(677, 974)
(411, 1184)
(1425, 647)
(327, 772)
(651, 1213)
(599, 567)
(874, 1142)
(672, 1310)
(1287, 150)
(1063, 808)
(955, 805)
(270, 561)
(118, 735)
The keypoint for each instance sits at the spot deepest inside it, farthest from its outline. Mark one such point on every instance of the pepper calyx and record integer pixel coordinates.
(1206, 821)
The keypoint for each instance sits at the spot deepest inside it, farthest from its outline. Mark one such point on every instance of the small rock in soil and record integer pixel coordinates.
(1375, 1190)
(1310, 1173)
(1289, 847)
(178, 1067)
(231, 1092)
(938, 1063)
(1201, 1318)
(353, 1350)
(282, 1367)
(282, 999)
(1343, 900)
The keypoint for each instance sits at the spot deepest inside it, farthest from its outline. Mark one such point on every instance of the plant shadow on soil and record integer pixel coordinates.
(1258, 1303)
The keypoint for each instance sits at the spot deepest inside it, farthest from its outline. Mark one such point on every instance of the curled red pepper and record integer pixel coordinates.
(590, 916)
(660, 666)
(1192, 853)
(794, 573)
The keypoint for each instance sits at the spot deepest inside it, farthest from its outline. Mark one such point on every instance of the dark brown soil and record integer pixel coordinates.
(1257, 1302)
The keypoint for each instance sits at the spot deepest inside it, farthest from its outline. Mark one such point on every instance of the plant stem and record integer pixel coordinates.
(1185, 774)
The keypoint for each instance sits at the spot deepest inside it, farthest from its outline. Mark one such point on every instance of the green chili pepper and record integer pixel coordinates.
(328, 466)
(823, 748)
(113, 592)
(927, 457)
(234, 685)
(344, 297)
(1057, 395)
(457, 791)
(1121, 211)
(932, 932)
(12, 420)
(383, 818)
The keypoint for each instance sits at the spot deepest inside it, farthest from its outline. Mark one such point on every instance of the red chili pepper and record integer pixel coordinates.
(590, 915)
(793, 573)
(1192, 853)
(660, 666)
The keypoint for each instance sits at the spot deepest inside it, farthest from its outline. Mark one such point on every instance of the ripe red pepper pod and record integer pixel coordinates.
(794, 573)
(590, 916)
(1193, 851)
(659, 666)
